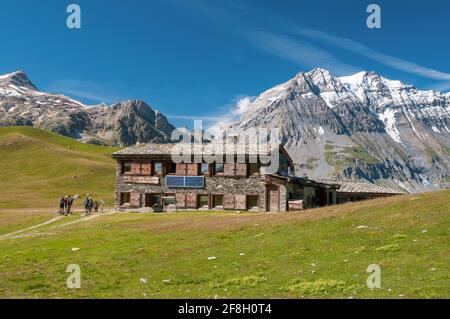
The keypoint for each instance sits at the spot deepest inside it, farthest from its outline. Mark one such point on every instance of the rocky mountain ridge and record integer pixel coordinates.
(124, 123)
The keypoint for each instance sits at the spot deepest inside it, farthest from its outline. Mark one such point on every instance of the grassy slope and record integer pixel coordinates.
(39, 166)
(317, 253)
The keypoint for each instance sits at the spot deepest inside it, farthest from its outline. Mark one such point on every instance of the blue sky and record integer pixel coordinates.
(198, 59)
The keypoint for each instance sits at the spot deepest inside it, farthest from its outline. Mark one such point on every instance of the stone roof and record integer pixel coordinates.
(305, 181)
(149, 148)
(205, 148)
(361, 187)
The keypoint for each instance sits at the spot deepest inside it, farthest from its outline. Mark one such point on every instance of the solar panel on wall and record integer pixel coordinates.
(194, 181)
(174, 181)
(185, 181)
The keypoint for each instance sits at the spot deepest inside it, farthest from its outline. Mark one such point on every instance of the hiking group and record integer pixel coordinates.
(90, 205)
(66, 203)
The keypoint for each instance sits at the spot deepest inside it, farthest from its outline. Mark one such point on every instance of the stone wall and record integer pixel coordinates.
(283, 198)
(234, 189)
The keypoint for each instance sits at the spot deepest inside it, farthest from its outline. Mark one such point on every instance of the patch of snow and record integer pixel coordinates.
(6, 76)
(14, 94)
(275, 98)
(393, 84)
(40, 93)
(321, 131)
(16, 88)
(353, 80)
(329, 98)
(308, 95)
(388, 118)
(435, 129)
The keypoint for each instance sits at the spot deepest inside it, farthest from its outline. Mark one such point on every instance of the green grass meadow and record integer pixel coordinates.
(320, 253)
(39, 166)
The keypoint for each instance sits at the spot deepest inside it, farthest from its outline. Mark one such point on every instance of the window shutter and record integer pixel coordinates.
(192, 169)
(241, 202)
(229, 169)
(180, 200)
(135, 168)
(228, 201)
(241, 170)
(181, 169)
(191, 200)
(146, 169)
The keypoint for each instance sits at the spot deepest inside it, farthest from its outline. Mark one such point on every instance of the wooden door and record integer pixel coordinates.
(273, 196)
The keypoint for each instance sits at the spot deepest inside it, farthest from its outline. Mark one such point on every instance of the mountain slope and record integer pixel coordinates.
(38, 166)
(125, 123)
(362, 126)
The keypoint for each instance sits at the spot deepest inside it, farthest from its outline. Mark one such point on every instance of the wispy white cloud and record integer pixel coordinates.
(206, 118)
(223, 117)
(222, 15)
(85, 89)
(300, 52)
(288, 45)
(388, 60)
(243, 104)
(231, 114)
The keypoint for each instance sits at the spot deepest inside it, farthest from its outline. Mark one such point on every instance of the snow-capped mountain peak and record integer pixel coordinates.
(325, 80)
(362, 125)
(18, 78)
(371, 80)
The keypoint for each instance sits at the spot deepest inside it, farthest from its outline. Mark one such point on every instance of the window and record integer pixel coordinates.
(152, 200)
(171, 168)
(126, 167)
(253, 169)
(125, 198)
(219, 168)
(168, 199)
(252, 202)
(218, 201)
(203, 201)
(204, 168)
(158, 168)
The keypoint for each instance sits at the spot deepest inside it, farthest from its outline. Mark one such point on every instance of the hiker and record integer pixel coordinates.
(66, 204)
(96, 206)
(86, 205)
(69, 205)
(91, 205)
(62, 204)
